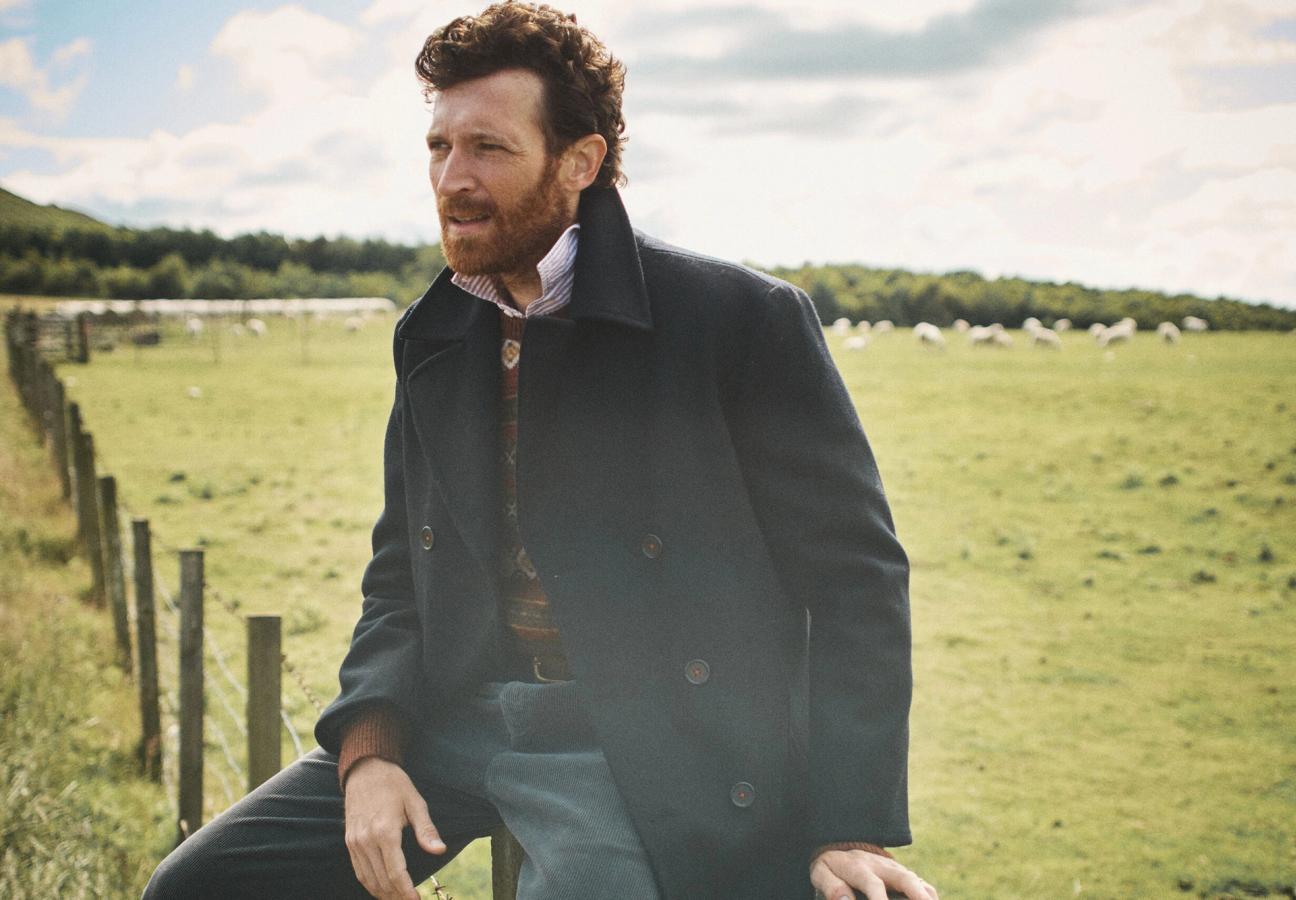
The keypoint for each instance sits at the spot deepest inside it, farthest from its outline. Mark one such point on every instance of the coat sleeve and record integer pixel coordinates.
(382, 666)
(819, 502)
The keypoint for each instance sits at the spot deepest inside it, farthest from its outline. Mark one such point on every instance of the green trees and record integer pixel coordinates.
(858, 292)
(121, 263)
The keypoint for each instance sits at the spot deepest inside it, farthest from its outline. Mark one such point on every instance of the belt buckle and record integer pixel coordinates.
(535, 670)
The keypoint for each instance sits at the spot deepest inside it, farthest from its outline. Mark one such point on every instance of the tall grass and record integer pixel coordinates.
(75, 821)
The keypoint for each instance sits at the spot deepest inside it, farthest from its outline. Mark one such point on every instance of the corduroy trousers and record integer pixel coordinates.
(520, 753)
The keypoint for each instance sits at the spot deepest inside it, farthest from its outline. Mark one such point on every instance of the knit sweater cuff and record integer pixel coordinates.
(379, 732)
(850, 845)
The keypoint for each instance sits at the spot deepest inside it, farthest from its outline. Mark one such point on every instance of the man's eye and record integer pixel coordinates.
(438, 146)
(491, 147)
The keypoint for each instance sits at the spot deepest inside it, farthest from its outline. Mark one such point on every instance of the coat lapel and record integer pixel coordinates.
(452, 384)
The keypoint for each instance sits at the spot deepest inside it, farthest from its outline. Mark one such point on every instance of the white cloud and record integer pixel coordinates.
(184, 78)
(9, 5)
(70, 51)
(285, 53)
(1087, 155)
(19, 72)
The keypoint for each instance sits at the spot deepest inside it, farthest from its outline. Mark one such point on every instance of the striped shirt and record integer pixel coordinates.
(557, 275)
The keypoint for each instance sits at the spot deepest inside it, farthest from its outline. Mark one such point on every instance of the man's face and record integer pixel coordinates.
(500, 207)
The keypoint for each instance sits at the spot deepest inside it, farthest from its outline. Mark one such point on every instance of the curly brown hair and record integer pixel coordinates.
(582, 80)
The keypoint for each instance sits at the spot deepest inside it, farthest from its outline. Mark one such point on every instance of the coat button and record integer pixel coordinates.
(651, 545)
(428, 537)
(697, 671)
(742, 794)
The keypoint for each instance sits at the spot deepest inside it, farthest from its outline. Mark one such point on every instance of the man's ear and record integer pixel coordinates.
(581, 162)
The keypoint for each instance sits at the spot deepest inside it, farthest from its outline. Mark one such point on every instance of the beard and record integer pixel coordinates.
(519, 235)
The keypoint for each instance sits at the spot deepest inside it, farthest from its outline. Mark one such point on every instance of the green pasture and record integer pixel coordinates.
(1104, 577)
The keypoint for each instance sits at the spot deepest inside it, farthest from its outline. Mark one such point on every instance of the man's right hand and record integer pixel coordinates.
(380, 801)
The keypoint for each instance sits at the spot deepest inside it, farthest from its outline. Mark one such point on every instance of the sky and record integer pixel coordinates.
(1117, 143)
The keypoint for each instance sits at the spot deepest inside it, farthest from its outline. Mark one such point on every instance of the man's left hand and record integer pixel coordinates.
(838, 874)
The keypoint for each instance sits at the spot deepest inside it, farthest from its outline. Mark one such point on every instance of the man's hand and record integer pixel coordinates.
(838, 874)
(380, 801)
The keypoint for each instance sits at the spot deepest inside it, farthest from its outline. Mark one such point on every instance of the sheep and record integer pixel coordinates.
(1121, 331)
(1030, 323)
(195, 392)
(194, 327)
(256, 327)
(856, 342)
(1192, 323)
(1168, 332)
(1062, 325)
(883, 326)
(1096, 329)
(863, 326)
(983, 334)
(353, 323)
(1046, 338)
(1002, 338)
(929, 334)
(961, 326)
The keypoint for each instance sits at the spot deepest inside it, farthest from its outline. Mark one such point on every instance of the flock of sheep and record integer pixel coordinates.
(857, 336)
(195, 326)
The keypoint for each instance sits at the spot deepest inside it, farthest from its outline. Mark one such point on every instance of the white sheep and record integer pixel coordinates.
(863, 326)
(929, 335)
(961, 326)
(256, 327)
(1030, 323)
(353, 323)
(1096, 329)
(194, 327)
(856, 342)
(1168, 332)
(883, 326)
(1002, 338)
(1046, 338)
(1192, 323)
(1121, 331)
(1062, 325)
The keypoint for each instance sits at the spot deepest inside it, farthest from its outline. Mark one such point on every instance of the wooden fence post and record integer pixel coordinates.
(150, 751)
(90, 516)
(82, 352)
(264, 664)
(506, 862)
(74, 442)
(191, 692)
(59, 445)
(114, 571)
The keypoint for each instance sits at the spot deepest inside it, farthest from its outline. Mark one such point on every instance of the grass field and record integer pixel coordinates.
(1104, 577)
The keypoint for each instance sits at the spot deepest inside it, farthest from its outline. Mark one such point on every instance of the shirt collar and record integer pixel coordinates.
(557, 275)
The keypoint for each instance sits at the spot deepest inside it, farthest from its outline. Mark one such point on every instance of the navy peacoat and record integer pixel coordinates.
(698, 496)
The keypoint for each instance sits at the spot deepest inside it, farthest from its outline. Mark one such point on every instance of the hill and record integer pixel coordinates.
(15, 210)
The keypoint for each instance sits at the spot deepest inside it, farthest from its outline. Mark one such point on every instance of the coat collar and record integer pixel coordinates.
(609, 283)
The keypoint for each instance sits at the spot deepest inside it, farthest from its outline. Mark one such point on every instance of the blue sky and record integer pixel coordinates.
(1114, 143)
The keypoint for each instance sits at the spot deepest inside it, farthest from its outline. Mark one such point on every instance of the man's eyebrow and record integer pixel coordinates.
(490, 137)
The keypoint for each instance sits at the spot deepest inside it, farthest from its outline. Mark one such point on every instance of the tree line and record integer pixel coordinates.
(127, 263)
(130, 264)
(906, 298)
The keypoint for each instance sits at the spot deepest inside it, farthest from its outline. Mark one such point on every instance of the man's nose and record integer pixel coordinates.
(452, 174)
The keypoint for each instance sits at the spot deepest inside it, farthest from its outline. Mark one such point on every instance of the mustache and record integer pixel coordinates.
(465, 209)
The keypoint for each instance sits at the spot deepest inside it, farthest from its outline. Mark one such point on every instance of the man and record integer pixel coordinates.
(635, 590)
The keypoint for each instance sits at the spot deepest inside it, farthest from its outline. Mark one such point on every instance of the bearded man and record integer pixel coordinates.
(635, 591)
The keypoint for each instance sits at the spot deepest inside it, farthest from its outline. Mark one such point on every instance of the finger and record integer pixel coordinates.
(424, 831)
(829, 886)
(360, 865)
(398, 880)
(931, 891)
(904, 880)
(857, 869)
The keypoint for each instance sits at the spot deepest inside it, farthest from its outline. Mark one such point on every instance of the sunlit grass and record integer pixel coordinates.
(1104, 579)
